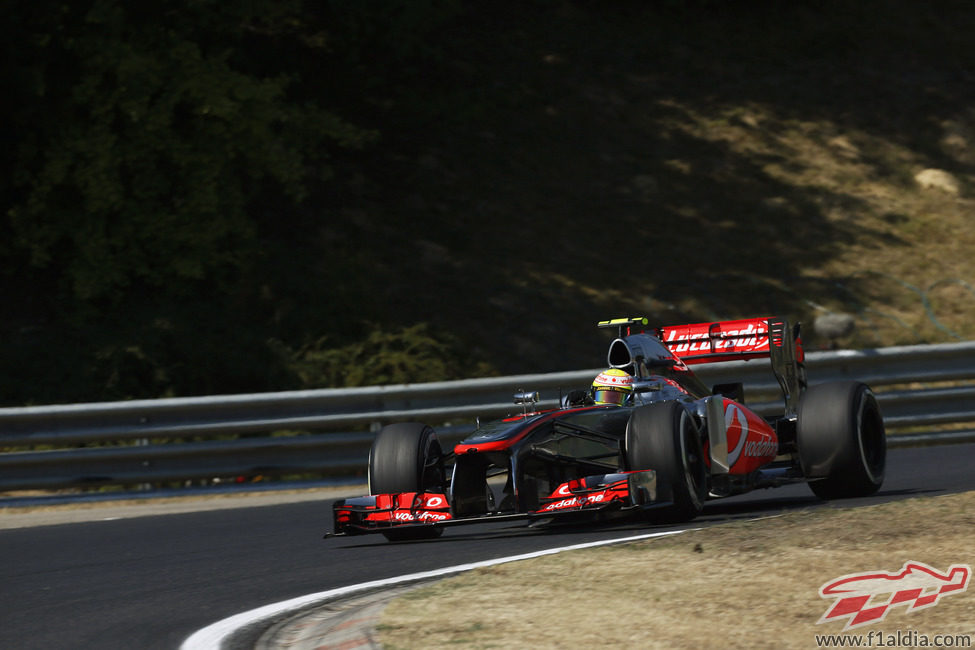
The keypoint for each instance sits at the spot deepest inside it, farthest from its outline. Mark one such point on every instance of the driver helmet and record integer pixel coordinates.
(612, 386)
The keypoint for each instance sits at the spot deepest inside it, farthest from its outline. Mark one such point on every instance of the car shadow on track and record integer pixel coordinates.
(780, 504)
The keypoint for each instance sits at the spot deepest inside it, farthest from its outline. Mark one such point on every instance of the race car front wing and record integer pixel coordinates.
(590, 497)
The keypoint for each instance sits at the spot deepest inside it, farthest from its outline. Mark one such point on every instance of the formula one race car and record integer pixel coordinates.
(671, 445)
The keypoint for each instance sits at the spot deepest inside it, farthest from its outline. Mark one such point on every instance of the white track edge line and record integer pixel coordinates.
(214, 635)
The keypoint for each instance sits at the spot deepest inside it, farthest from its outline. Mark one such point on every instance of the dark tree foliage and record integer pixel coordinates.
(158, 163)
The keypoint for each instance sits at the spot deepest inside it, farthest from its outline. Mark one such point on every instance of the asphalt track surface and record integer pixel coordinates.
(150, 582)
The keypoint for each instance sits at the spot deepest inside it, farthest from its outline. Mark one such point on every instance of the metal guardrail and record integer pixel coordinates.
(307, 432)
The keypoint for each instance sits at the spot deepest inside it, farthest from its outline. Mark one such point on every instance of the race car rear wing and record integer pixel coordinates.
(749, 338)
(728, 340)
(699, 343)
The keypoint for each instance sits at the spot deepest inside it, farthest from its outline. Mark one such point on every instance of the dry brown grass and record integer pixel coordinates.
(742, 585)
(905, 243)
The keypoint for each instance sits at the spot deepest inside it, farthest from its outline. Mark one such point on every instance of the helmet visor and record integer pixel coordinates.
(608, 396)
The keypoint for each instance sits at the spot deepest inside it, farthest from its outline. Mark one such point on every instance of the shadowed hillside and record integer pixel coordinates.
(523, 170)
(563, 163)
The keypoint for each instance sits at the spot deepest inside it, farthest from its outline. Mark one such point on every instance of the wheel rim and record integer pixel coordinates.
(692, 460)
(870, 444)
(432, 471)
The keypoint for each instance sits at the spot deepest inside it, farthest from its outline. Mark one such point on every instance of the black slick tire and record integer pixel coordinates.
(407, 457)
(841, 439)
(664, 438)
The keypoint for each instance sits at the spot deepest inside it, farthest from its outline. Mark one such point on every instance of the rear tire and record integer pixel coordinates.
(663, 437)
(407, 457)
(841, 440)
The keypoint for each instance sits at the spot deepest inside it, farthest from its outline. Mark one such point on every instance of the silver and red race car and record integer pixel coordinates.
(670, 447)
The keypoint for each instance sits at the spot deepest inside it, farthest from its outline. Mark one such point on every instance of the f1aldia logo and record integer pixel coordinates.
(865, 598)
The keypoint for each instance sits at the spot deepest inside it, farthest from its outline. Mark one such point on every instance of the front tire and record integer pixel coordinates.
(841, 439)
(664, 438)
(407, 457)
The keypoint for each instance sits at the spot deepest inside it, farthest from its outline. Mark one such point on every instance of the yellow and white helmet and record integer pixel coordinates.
(612, 386)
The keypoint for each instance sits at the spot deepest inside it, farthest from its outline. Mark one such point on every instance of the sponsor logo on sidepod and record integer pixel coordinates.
(762, 448)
